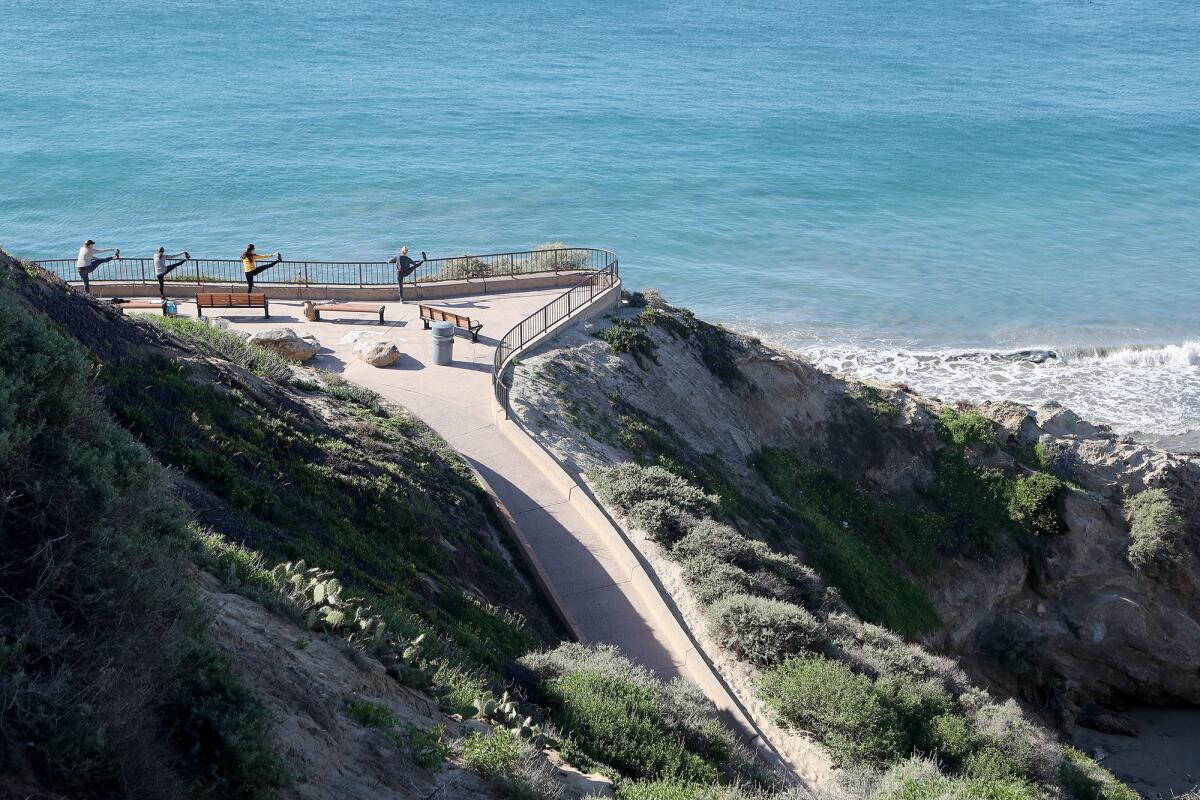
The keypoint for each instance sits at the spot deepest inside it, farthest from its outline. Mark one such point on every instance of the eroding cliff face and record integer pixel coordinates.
(1061, 620)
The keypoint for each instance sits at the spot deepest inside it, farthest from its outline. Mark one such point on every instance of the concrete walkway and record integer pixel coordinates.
(585, 565)
(591, 583)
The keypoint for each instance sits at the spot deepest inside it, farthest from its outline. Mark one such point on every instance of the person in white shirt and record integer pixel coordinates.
(162, 269)
(89, 260)
(405, 266)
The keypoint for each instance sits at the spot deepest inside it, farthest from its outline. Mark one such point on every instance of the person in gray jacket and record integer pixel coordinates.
(162, 269)
(89, 260)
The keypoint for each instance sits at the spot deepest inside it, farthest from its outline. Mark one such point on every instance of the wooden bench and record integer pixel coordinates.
(430, 314)
(350, 308)
(232, 300)
(142, 305)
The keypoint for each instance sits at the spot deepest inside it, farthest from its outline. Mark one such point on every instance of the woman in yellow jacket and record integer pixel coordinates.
(249, 257)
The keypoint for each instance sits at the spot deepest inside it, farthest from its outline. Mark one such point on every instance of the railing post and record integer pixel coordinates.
(360, 283)
(511, 272)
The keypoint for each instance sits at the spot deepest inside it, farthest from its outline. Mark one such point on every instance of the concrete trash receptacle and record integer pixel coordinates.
(443, 342)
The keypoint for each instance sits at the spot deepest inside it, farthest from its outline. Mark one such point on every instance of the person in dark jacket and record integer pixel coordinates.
(405, 266)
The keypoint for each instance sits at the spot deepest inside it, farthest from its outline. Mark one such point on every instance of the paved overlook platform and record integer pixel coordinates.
(604, 591)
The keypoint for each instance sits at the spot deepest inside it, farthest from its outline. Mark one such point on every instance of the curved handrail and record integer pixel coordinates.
(348, 273)
(528, 330)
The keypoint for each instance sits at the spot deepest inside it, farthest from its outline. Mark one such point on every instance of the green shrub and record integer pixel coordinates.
(220, 724)
(842, 709)
(989, 762)
(662, 521)
(492, 755)
(225, 344)
(963, 428)
(512, 765)
(1029, 747)
(1156, 529)
(1034, 501)
(709, 579)
(1084, 779)
(371, 714)
(885, 653)
(426, 747)
(665, 714)
(628, 336)
(763, 631)
(239, 566)
(625, 485)
(712, 540)
(617, 722)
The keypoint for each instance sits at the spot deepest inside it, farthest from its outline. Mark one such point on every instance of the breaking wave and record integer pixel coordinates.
(1151, 392)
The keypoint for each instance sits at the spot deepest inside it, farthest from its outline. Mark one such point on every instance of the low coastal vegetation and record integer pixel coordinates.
(1156, 532)
(342, 515)
(103, 644)
(870, 697)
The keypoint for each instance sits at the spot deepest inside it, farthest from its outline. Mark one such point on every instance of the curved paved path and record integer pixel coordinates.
(583, 562)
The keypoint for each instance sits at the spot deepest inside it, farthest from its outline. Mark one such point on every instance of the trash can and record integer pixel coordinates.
(443, 342)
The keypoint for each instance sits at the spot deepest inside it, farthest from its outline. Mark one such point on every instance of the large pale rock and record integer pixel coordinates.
(285, 343)
(377, 352)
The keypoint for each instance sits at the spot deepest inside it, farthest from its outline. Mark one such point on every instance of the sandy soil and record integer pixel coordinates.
(1162, 761)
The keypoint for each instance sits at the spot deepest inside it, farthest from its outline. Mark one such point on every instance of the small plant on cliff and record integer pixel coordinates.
(1156, 529)
(1034, 500)
(966, 427)
(628, 336)
(763, 631)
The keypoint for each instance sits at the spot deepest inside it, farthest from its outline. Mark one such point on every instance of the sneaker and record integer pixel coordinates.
(186, 254)
(118, 255)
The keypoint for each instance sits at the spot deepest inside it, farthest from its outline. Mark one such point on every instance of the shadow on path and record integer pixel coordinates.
(589, 585)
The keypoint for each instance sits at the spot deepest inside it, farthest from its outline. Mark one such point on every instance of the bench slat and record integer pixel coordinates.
(431, 314)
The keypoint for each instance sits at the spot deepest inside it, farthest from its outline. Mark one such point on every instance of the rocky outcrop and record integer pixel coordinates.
(286, 343)
(377, 352)
(1064, 623)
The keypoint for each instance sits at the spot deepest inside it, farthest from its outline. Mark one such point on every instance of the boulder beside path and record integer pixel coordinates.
(286, 343)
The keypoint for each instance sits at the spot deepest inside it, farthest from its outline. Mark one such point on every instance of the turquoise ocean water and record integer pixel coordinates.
(911, 190)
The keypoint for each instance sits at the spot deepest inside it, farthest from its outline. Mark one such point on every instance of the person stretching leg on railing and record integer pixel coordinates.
(162, 269)
(405, 266)
(248, 259)
(88, 262)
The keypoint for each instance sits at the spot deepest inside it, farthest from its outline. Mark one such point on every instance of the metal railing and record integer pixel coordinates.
(345, 273)
(532, 327)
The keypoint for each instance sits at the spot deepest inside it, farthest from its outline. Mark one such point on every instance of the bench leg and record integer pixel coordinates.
(199, 311)
(266, 310)
(380, 316)
(426, 322)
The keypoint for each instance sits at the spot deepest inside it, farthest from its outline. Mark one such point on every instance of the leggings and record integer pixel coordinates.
(161, 288)
(403, 273)
(85, 272)
(250, 273)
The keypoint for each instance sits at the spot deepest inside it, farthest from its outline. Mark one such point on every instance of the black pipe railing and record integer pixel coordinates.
(532, 327)
(345, 273)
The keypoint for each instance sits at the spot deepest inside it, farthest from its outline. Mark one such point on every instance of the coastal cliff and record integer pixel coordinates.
(1054, 559)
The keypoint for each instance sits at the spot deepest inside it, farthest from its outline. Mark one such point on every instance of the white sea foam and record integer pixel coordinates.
(1150, 392)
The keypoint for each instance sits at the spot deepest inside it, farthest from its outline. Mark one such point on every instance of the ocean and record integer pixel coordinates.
(925, 191)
